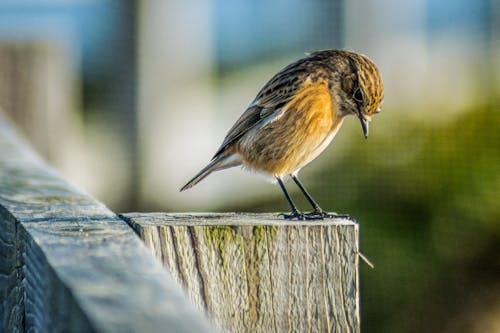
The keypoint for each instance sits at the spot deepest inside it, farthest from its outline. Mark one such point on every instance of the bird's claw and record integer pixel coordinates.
(294, 215)
(319, 213)
(316, 215)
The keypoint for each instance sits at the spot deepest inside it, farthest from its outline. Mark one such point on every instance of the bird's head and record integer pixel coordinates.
(358, 87)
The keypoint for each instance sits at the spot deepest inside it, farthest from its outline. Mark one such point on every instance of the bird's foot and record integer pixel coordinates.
(316, 215)
(295, 214)
(319, 214)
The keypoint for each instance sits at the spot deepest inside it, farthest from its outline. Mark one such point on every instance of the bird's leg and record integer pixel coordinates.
(314, 204)
(295, 212)
(317, 212)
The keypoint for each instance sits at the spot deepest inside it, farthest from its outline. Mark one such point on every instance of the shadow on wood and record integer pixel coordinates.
(258, 272)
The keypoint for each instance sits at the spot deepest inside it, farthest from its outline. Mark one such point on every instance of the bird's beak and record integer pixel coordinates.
(365, 124)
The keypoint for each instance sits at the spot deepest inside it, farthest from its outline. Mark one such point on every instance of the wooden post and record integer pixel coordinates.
(69, 264)
(39, 92)
(258, 272)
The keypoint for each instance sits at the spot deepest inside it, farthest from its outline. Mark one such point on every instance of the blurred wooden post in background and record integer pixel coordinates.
(258, 272)
(39, 92)
(65, 112)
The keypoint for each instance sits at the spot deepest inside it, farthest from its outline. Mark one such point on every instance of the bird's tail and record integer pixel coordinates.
(220, 162)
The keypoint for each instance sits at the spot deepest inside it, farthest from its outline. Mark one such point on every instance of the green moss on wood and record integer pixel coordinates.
(254, 248)
(218, 238)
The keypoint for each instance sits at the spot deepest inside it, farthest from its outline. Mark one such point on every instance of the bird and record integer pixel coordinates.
(296, 115)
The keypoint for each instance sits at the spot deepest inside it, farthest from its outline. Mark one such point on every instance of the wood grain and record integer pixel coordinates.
(258, 272)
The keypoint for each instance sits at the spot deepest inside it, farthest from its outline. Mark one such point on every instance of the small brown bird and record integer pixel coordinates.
(296, 115)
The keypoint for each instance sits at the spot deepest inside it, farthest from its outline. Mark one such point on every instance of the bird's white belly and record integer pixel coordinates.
(309, 156)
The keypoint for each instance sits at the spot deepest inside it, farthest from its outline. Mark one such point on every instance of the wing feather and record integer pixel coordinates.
(269, 103)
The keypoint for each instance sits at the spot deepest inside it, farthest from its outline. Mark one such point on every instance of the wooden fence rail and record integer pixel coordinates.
(68, 264)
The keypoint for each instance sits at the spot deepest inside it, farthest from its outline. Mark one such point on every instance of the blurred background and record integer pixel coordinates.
(129, 99)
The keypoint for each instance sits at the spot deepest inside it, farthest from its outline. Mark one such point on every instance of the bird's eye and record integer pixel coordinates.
(358, 95)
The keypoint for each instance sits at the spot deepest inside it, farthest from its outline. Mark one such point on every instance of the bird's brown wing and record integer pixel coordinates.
(269, 102)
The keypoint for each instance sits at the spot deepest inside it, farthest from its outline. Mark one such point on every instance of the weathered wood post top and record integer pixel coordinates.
(259, 272)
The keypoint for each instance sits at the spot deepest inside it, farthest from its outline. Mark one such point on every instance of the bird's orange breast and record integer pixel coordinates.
(285, 145)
